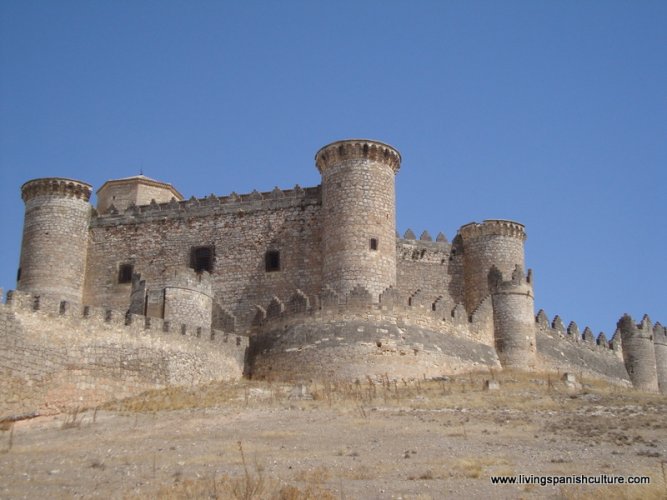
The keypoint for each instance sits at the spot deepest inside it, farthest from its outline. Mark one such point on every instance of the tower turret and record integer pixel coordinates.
(513, 318)
(498, 243)
(359, 215)
(660, 345)
(182, 296)
(55, 237)
(639, 353)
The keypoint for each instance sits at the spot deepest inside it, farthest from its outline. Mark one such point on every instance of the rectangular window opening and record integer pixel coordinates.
(272, 261)
(201, 259)
(374, 244)
(125, 273)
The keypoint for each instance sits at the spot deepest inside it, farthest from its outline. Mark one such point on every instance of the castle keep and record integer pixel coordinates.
(301, 283)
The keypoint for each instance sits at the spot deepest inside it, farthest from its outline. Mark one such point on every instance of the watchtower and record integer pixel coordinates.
(493, 243)
(513, 318)
(55, 237)
(639, 352)
(359, 215)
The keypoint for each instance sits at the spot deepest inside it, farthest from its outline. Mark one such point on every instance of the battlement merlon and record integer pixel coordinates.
(630, 329)
(659, 334)
(357, 149)
(56, 186)
(496, 227)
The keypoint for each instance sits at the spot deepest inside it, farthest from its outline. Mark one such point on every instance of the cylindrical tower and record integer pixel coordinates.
(639, 353)
(660, 345)
(513, 319)
(498, 243)
(188, 298)
(359, 215)
(55, 237)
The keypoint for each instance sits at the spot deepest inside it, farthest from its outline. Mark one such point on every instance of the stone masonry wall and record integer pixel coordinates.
(63, 355)
(429, 266)
(241, 229)
(567, 348)
(351, 337)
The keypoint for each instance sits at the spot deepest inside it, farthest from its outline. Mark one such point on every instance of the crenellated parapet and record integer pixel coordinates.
(519, 283)
(49, 307)
(211, 205)
(57, 353)
(400, 307)
(357, 149)
(493, 227)
(557, 330)
(56, 186)
(402, 334)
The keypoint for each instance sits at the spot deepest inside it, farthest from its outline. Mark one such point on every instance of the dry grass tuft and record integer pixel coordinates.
(615, 492)
(318, 475)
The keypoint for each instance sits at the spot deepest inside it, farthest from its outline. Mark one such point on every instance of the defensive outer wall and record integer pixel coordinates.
(149, 289)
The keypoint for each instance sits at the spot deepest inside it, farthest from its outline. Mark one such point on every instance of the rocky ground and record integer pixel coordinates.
(435, 439)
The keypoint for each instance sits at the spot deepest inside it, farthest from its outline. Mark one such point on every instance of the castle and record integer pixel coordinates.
(306, 283)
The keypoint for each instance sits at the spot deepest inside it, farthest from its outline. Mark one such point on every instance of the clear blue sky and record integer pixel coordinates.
(550, 113)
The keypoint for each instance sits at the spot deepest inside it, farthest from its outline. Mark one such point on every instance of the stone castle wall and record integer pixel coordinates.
(55, 354)
(353, 337)
(240, 229)
(433, 267)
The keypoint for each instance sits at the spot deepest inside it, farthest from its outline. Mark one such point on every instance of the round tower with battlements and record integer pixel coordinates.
(359, 215)
(498, 243)
(55, 238)
(188, 298)
(513, 318)
(660, 346)
(639, 352)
